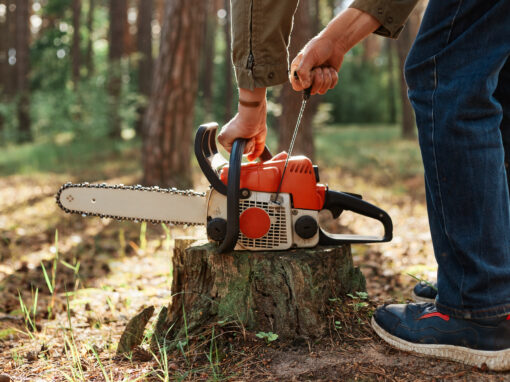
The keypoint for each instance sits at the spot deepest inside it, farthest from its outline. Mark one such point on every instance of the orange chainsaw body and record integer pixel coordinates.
(300, 180)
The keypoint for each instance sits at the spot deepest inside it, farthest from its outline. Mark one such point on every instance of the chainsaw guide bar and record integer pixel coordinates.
(133, 203)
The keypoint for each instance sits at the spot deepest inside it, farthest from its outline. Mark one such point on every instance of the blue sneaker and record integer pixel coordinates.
(420, 328)
(424, 292)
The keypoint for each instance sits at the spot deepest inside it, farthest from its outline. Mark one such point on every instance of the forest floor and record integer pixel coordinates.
(69, 285)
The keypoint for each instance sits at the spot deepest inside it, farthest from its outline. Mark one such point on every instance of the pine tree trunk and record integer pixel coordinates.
(284, 292)
(403, 46)
(4, 49)
(145, 64)
(89, 58)
(118, 11)
(168, 122)
(291, 100)
(229, 83)
(404, 43)
(390, 52)
(11, 19)
(4, 60)
(208, 56)
(22, 63)
(76, 51)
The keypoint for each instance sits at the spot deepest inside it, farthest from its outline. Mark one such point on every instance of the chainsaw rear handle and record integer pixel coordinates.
(336, 202)
(206, 153)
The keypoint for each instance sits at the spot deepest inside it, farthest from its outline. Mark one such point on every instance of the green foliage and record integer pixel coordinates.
(376, 151)
(358, 300)
(269, 336)
(363, 93)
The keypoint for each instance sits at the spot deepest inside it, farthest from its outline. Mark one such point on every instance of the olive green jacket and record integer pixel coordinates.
(261, 34)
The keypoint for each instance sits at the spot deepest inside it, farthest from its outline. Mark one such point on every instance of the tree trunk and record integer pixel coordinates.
(22, 63)
(390, 52)
(118, 11)
(291, 100)
(4, 49)
(208, 55)
(404, 43)
(76, 50)
(89, 58)
(4, 60)
(286, 293)
(12, 20)
(229, 83)
(168, 122)
(403, 46)
(145, 64)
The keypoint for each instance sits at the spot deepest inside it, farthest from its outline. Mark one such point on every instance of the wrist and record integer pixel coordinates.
(255, 95)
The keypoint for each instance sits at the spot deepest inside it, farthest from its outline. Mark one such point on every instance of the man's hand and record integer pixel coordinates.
(249, 123)
(317, 65)
(319, 61)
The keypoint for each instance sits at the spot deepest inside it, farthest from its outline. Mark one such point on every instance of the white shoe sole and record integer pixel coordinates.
(495, 360)
(417, 298)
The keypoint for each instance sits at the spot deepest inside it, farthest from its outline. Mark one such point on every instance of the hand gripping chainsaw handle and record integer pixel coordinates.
(209, 159)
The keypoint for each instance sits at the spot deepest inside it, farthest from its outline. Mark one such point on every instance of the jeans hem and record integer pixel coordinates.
(479, 313)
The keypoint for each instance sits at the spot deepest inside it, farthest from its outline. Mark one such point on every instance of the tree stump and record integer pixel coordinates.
(286, 293)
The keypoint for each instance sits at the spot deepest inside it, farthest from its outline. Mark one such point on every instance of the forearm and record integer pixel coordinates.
(348, 28)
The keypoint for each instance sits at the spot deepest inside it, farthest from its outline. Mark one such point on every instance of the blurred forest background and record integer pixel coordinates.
(112, 91)
(92, 75)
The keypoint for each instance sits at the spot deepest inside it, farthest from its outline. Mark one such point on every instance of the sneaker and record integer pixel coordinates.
(420, 328)
(424, 292)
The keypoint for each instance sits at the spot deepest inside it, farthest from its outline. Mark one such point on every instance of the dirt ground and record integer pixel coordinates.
(107, 271)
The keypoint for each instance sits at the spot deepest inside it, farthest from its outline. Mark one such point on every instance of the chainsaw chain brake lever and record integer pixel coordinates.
(336, 202)
(209, 159)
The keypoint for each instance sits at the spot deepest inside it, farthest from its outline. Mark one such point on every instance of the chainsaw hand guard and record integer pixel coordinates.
(209, 159)
(336, 202)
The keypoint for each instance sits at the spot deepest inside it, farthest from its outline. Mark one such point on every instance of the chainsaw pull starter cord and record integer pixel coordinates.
(306, 96)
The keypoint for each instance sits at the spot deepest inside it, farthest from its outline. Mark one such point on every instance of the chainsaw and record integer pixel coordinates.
(249, 206)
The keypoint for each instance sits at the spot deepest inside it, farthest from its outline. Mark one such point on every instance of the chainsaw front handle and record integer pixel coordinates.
(209, 159)
(336, 202)
(234, 180)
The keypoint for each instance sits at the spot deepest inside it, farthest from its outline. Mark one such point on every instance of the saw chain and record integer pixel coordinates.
(136, 188)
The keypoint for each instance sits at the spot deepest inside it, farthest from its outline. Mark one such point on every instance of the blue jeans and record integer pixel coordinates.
(458, 73)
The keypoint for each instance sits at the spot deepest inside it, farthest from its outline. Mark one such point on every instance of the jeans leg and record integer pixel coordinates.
(502, 94)
(452, 72)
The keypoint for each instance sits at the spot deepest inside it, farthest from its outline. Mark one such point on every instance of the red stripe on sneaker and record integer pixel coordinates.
(508, 317)
(435, 314)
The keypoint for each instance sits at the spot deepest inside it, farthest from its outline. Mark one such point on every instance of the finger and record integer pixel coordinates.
(260, 144)
(304, 69)
(227, 135)
(225, 141)
(249, 147)
(318, 80)
(334, 76)
(327, 81)
(295, 82)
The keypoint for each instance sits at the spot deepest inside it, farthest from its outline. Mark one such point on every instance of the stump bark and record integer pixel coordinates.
(286, 293)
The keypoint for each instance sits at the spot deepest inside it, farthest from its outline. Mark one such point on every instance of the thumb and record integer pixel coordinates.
(304, 70)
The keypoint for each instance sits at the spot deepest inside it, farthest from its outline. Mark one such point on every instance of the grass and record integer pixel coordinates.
(375, 151)
(61, 156)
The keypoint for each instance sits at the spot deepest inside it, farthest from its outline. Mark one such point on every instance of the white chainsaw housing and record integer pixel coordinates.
(281, 234)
